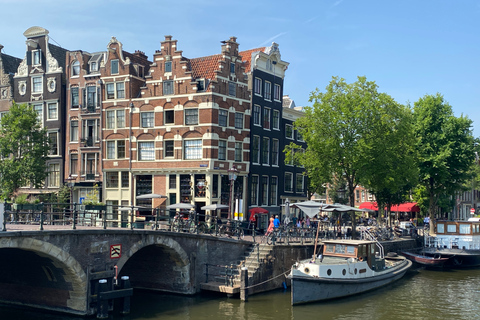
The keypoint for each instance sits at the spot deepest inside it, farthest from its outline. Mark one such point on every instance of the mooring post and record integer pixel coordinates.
(102, 304)
(244, 284)
(125, 284)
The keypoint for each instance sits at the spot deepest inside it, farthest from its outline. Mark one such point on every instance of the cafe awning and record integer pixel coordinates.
(404, 207)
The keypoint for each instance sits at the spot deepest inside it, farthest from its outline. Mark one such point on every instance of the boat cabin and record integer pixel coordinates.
(362, 250)
(463, 235)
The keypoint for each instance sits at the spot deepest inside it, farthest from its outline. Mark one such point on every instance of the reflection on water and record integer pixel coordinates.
(421, 294)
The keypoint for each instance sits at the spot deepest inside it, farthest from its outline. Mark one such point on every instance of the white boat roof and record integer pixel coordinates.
(348, 242)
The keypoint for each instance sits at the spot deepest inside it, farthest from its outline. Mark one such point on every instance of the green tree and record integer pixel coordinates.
(24, 148)
(445, 147)
(339, 130)
(390, 170)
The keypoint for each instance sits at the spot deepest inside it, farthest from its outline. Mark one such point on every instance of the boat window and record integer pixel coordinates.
(464, 228)
(350, 249)
(440, 228)
(329, 248)
(451, 228)
(478, 228)
(339, 248)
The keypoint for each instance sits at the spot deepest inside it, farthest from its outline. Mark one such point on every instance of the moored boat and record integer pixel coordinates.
(457, 240)
(436, 261)
(345, 267)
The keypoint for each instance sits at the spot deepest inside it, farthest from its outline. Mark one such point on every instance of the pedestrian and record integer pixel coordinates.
(270, 226)
(276, 222)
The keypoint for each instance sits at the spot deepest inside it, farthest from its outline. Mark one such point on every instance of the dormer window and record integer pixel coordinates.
(232, 67)
(200, 84)
(76, 68)
(37, 57)
(93, 66)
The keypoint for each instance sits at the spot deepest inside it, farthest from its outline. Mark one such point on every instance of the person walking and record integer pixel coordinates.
(270, 226)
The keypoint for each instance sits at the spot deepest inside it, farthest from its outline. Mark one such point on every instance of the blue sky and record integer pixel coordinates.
(410, 48)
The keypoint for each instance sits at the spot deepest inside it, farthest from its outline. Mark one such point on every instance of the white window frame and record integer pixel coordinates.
(239, 120)
(50, 153)
(273, 191)
(54, 110)
(268, 91)
(168, 88)
(276, 92)
(147, 119)
(258, 87)
(254, 190)
(54, 175)
(265, 190)
(286, 131)
(238, 151)
(256, 141)
(232, 89)
(290, 174)
(193, 149)
(37, 87)
(267, 121)
(223, 117)
(76, 68)
(257, 115)
(73, 132)
(165, 149)
(275, 119)
(146, 150)
(117, 64)
(266, 150)
(302, 178)
(191, 116)
(275, 151)
(37, 54)
(222, 149)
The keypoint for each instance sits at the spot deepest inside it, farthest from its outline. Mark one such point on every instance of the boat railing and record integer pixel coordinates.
(449, 243)
(366, 235)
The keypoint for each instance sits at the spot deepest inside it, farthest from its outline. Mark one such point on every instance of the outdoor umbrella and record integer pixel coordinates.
(311, 208)
(214, 206)
(181, 205)
(150, 196)
(258, 210)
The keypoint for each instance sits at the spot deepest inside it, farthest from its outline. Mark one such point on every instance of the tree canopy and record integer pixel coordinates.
(445, 146)
(357, 134)
(24, 148)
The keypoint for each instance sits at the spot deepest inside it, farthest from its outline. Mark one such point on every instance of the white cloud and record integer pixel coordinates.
(270, 40)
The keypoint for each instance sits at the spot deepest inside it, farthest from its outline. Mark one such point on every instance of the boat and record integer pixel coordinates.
(457, 240)
(420, 258)
(344, 268)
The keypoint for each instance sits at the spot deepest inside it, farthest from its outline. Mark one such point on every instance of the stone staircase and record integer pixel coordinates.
(255, 257)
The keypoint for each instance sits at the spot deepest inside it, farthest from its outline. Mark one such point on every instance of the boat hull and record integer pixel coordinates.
(308, 289)
(457, 258)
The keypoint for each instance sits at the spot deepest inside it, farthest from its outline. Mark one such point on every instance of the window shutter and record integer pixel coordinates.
(84, 97)
(29, 58)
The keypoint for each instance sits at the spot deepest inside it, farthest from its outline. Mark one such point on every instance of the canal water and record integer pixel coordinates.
(421, 294)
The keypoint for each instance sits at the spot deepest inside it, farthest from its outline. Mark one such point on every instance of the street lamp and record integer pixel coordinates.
(232, 176)
(71, 184)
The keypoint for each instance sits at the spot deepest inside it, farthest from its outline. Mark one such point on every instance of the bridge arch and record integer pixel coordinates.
(56, 280)
(157, 262)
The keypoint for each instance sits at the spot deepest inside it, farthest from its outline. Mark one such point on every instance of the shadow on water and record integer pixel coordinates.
(420, 294)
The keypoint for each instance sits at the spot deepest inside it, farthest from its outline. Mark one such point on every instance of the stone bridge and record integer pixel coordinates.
(59, 270)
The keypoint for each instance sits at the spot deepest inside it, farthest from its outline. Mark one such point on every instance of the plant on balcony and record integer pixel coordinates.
(91, 201)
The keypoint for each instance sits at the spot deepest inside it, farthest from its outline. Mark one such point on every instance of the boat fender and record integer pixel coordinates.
(284, 285)
(392, 254)
(360, 259)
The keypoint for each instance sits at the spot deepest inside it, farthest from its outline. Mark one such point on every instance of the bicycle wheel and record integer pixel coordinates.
(202, 228)
(270, 239)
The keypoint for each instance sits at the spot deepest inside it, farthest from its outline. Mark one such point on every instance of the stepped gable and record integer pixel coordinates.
(247, 57)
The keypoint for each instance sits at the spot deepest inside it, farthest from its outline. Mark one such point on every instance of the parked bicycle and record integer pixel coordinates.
(231, 230)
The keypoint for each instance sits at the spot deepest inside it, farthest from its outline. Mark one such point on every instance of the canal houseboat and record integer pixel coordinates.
(344, 268)
(459, 241)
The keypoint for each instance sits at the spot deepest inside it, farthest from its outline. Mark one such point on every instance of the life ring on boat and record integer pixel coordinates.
(360, 259)
(437, 256)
